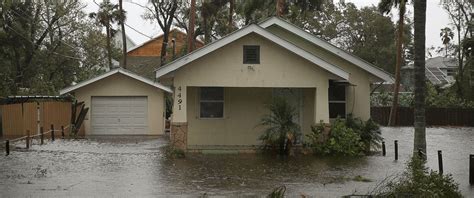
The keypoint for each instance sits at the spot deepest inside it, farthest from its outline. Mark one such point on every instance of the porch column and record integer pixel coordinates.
(179, 124)
(321, 104)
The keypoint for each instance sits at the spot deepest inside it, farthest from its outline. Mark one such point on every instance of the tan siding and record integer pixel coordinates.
(278, 68)
(121, 85)
(358, 97)
(244, 107)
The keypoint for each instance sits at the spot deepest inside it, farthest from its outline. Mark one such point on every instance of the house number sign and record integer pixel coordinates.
(179, 97)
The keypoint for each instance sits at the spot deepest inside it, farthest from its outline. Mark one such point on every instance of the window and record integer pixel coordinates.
(251, 54)
(337, 100)
(211, 102)
(451, 72)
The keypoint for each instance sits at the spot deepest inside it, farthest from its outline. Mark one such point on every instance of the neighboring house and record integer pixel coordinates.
(143, 59)
(220, 90)
(121, 103)
(439, 71)
(118, 40)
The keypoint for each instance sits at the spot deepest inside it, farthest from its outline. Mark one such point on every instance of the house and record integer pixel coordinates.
(143, 59)
(439, 71)
(118, 41)
(121, 103)
(221, 89)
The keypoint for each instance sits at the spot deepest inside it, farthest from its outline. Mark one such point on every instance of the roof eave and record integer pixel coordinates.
(372, 69)
(110, 73)
(243, 32)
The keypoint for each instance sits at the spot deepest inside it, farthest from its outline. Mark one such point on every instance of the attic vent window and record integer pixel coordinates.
(251, 54)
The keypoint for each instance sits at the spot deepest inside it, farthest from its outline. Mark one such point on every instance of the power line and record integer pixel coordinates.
(138, 31)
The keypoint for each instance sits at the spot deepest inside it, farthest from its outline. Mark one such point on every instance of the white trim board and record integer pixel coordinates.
(329, 47)
(178, 63)
(110, 73)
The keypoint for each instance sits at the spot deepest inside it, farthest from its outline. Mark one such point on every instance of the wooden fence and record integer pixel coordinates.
(19, 117)
(42, 136)
(434, 116)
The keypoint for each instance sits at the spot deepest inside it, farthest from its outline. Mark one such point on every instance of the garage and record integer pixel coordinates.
(121, 103)
(120, 115)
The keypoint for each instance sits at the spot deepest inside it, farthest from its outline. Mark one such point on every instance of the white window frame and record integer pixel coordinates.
(211, 101)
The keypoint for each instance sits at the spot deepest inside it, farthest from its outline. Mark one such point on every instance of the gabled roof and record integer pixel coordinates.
(241, 33)
(372, 69)
(175, 30)
(110, 73)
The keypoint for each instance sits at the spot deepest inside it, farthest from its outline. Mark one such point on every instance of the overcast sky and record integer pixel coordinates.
(436, 19)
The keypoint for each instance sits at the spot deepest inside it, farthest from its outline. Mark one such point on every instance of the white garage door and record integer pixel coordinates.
(119, 115)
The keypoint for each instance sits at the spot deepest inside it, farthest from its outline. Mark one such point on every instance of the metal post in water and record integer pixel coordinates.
(7, 147)
(62, 132)
(38, 117)
(41, 135)
(471, 169)
(396, 149)
(383, 148)
(52, 132)
(27, 139)
(440, 162)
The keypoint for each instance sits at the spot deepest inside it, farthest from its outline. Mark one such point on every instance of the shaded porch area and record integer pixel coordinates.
(228, 117)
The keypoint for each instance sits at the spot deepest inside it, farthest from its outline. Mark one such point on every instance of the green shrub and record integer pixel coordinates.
(280, 127)
(342, 140)
(369, 131)
(417, 181)
(350, 136)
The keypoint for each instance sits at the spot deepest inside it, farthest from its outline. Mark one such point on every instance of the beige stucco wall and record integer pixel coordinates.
(243, 109)
(121, 85)
(358, 97)
(278, 68)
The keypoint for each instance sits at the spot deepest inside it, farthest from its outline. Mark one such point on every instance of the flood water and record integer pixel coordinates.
(137, 167)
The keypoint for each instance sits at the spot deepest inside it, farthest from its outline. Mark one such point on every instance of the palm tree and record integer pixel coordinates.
(385, 7)
(420, 84)
(446, 36)
(122, 26)
(107, 15)
(281, 129)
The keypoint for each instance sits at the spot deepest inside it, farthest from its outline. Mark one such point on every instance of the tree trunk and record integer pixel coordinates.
(109, 51)
(164, 46)
(396, 88)
(459, 76)
(280, 8)
(207, 33)
(192, 16)
(231, 14)
(124, 39)
(420, 84)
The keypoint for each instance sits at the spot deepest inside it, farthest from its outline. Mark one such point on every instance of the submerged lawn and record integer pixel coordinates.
(135, 166)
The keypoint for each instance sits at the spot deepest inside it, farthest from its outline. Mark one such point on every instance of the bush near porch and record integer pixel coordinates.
(348, 137)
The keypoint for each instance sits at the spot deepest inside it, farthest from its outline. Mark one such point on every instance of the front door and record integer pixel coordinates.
(294, 96)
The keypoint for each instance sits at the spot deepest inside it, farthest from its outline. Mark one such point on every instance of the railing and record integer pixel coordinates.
(28, 138)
